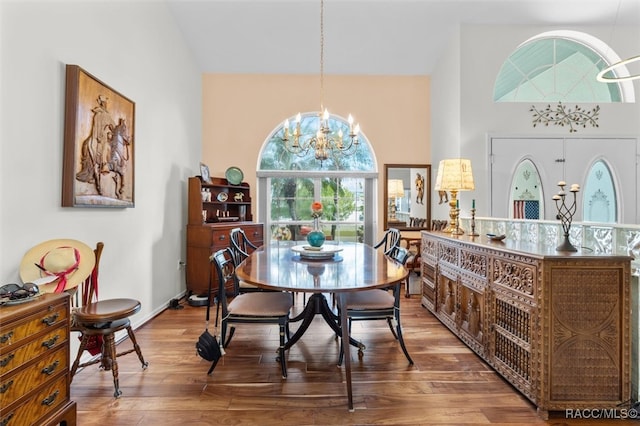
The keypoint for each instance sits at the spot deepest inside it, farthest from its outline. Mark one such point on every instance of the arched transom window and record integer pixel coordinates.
(560, 66)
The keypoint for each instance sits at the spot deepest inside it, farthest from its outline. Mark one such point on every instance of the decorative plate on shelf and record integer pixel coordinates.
(234, 175)
(327, 251)
(494, 237)
(222, 197)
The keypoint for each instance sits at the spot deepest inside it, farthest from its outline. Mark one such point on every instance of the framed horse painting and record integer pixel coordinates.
(98, 158)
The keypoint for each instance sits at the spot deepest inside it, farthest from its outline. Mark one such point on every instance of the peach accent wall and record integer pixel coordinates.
(240, 111)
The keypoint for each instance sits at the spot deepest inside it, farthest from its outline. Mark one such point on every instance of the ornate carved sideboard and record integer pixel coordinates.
(555, 325)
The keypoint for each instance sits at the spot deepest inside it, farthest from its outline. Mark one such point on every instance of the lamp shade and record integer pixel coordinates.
(454, 175)
(395, 188)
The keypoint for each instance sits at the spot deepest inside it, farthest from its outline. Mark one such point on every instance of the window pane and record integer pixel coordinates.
(600, 195)
(526, 192)
(342, 200)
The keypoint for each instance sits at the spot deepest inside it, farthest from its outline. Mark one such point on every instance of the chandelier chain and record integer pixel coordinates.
(321, 56)
(325, 142)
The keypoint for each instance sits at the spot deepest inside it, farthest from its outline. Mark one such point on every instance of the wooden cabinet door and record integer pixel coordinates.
(471, 317)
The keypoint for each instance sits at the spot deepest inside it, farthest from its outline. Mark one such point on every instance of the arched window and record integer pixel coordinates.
(560, 66)
(345, 184)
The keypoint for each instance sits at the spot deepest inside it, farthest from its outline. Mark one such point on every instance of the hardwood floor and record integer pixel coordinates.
(448, 385)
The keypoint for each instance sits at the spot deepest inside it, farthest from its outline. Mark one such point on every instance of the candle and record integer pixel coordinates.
(473, 203)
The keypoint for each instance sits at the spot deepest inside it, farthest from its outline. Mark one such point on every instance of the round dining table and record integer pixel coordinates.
(338, 268)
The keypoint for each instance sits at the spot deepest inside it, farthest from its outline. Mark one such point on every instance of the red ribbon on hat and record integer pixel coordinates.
(62, 276)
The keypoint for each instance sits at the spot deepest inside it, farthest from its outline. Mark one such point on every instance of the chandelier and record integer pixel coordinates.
(325, 141)
(618, 72)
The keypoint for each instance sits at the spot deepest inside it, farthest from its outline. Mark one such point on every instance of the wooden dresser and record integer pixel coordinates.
(34, 363)
(555, 325)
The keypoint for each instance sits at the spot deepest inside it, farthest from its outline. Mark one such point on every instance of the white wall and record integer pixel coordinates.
(481, 52)
(445, 117)
(135, 48)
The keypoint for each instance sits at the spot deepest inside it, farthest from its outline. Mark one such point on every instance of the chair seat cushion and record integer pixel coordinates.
(272, 304)
(370, 299)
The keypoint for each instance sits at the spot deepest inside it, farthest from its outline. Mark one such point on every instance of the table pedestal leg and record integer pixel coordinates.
(317, 304)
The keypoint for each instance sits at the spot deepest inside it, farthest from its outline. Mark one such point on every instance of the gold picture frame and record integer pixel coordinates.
(98, 158)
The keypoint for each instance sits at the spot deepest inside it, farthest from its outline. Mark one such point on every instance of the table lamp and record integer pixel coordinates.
(395, 189)
(454, 175)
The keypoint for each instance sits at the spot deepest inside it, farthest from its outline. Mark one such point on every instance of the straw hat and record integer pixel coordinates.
(57, 265)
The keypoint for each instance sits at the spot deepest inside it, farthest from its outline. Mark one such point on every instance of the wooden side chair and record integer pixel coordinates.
(389, 240)
(241, 248)
(378, 304)
(98, 321)
(260, 307)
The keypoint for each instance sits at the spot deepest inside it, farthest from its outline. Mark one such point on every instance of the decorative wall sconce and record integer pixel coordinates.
(563, 116)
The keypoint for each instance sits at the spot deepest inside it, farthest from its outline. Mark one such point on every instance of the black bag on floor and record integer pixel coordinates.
(208, 347)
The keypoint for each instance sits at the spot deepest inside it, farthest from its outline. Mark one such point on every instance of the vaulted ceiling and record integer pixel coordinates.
(377, 37)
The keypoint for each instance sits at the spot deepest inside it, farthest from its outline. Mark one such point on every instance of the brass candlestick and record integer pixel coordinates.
(473, 223)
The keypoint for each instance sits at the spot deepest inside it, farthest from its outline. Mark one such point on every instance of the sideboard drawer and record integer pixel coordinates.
(22, 354)
(14, 333)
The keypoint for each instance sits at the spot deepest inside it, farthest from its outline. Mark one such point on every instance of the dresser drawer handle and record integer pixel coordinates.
(222, 237)
(5, 421)
(6, 360)
(5, 386)
(51, 368)
(51, 319)
(6, 337)
(51, 342)
(50, 399)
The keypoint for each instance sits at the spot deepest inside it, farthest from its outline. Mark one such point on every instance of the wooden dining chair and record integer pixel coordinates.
(378, 304)
(263, 307)
(98, 321)
(241, 247)
(389, 240)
